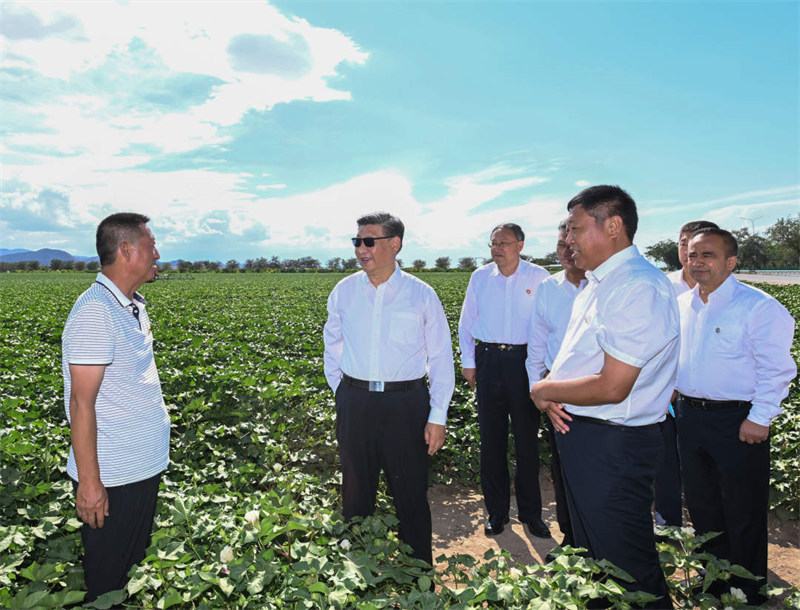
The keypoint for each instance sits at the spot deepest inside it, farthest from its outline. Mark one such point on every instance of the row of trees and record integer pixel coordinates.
(777, 248)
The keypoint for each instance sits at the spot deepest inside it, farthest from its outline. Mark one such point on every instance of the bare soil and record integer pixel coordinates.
(458, 517)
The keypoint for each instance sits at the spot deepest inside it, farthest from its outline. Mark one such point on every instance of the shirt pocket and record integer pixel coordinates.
(405, 328)
(726, 336)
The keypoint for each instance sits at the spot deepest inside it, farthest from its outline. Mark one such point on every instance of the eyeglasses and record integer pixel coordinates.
(369, 242)
(502, 244)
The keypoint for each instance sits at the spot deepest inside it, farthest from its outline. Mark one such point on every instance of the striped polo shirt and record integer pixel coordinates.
(132, 420)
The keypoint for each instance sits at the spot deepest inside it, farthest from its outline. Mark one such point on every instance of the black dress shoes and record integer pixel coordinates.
(495, 524)
(538, 528)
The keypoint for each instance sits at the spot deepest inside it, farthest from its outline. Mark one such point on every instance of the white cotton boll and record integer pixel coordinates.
(226, 555)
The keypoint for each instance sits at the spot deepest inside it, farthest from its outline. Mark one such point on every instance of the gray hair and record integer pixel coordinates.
(519, 235)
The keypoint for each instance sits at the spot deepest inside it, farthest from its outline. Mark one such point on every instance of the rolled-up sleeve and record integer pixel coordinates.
(645, 321)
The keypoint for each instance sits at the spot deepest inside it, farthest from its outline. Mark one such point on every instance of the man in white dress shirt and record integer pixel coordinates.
(668, 498)
(610, 385)
(497, 313)
(386, 329)
(735, 369)
(551, 311)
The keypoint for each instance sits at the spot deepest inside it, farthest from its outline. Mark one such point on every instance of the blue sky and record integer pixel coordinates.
(249, 129)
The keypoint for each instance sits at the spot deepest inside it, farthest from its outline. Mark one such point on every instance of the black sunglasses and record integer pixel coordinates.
(369, 242)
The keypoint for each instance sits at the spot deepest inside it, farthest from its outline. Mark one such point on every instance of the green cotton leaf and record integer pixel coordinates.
(318, 587)
(109, 600)
(172, 598)
(338, 598)
(137, 584)
(226, 586)
(741, 572)
(424, 583)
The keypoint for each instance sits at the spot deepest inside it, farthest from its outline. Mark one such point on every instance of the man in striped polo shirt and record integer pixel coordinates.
(112, 394)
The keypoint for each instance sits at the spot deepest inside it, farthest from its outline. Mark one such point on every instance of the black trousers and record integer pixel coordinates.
(503, 392)
(111, 551)
(562, 508)
(727, 488)
(608, 476)
(669, 501)
(386, 431)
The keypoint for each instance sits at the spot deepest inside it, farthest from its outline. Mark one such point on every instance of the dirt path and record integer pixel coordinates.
(458, 517)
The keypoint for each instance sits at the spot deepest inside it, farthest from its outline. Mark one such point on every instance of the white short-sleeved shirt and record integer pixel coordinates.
(132, 420)
(396, 331)
(551, 313)
(629, 311)
(497, 309)
(736, 347)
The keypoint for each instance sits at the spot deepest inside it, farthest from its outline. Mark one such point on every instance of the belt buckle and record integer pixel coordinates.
(503, 346)
(376, 386)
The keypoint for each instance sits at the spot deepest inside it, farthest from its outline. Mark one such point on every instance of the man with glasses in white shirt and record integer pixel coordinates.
(386, 330)
(551, 312)
(496, 315)
(735, 369)
(610, 385)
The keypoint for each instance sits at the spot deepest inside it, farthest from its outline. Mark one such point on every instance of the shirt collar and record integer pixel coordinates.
(725, 289)
(616, 260)
(561, 279)
(392, 281)
(112, 288)
(496, 270)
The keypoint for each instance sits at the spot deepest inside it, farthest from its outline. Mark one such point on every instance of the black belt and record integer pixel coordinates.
(605, 422)
(706, 404)
(384, 386)
(505, 347)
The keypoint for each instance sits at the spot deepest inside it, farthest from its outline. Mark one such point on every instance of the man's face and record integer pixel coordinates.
(505, 247)
(379, 258)
(588, 239)
(564, 252)
(708, 263)
(144, 256)
(683, 249)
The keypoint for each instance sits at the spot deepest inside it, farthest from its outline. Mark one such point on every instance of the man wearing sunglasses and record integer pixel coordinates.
(118, 421)
(496, 314)
(386, 330)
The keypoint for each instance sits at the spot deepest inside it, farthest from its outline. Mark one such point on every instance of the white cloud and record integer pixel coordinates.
(582, 183)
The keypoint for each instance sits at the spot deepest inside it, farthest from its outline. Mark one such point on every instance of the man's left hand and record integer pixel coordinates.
(750, 432)
(434, 437)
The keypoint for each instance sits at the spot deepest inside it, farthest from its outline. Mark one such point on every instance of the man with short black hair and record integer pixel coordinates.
(496, 314)
(735, 369)
(385, 330)
(551, 311)
(112, 394)
(668, 496)
(610, 385)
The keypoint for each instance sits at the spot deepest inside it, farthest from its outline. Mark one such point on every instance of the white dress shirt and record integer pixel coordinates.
(678, 283)
(736, 347)
(627, 310)
(395, 332)
(497, 309)
(551, 311)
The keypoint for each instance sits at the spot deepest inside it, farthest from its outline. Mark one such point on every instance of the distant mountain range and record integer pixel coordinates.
(44, 256)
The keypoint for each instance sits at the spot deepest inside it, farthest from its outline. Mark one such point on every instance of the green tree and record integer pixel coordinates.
(466, 263)
(93, 265)
(56, 264)
(80, 265)
(335, 263)
(666, 252)
(443, 262)
(753, 250)
(350, 263)
(785, 235)
(419, 264)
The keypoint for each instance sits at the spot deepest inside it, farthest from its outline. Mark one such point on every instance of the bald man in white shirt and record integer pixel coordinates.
(610, 385)
(386, 330)
(734, 372)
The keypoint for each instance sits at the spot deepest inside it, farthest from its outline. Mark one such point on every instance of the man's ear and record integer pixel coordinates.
(614, 226)
(731, 262)
(125, 250)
